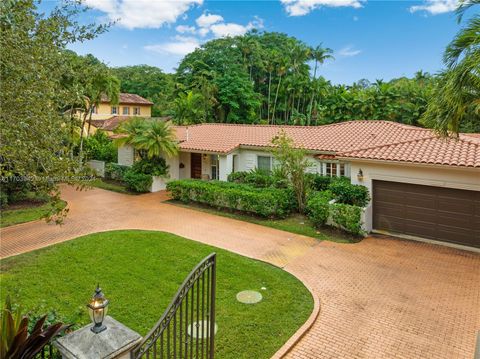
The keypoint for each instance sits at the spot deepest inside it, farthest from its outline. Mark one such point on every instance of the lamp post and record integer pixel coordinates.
(97, 309)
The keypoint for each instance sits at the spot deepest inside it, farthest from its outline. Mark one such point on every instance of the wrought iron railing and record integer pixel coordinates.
(187, 328)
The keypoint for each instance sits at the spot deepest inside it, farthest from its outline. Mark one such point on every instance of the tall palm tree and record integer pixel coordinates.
(458, 92)
(319, 55)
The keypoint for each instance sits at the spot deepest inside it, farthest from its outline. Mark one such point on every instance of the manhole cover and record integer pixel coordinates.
(200, 329)
(249, 297)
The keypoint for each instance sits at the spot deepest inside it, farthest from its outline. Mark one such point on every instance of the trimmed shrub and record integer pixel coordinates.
(115, 171)
(151, 166)
(267, 202)
(258, 178)
(348, 193)
(347, 217)
(318, 208)
(320, 183)
(138, 182)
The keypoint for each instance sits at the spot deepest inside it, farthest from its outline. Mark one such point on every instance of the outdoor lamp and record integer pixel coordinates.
(360, 175)
(97, 309)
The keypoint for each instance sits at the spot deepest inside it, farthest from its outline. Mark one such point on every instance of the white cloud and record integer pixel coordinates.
(207, 20)
(303, 7)
(436, 7)
(181, 45)
(348, 51)
(143, 13)
(216, 25)
(184, 29)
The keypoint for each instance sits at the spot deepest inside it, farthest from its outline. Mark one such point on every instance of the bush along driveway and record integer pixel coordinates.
(380, 298)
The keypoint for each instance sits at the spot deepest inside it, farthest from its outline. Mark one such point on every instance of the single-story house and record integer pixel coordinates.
(421, 185)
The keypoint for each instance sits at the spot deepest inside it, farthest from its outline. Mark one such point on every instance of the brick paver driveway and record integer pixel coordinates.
(381, 298)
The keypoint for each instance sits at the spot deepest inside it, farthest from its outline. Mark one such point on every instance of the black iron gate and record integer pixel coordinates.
(187, 328)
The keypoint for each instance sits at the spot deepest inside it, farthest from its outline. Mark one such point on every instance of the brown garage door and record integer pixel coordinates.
(443, 214)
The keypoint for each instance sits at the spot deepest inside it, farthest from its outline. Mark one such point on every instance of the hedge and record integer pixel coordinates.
(115, 171)
(138, 182)
(344, 216)
(257, 178)
(266, 202)
(342, 189)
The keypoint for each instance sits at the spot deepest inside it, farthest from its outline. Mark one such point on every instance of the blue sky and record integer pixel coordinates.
(371, 39)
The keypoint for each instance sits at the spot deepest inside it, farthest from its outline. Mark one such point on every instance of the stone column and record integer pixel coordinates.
(117, 341)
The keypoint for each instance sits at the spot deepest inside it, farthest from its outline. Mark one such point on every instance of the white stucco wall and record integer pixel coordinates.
(184, 158)
(125, 155)
(439, 176)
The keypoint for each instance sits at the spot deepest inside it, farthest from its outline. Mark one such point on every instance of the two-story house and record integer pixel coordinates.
(108, 116)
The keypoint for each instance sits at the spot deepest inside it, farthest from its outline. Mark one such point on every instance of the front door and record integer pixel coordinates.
(196, 165)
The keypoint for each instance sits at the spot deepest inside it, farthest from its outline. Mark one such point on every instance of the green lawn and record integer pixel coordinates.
(9, 217)
(110, 185)
(140, 271)
(297, 223)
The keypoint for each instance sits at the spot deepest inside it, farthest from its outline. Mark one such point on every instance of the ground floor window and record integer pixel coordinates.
(215, 166)
(334, 169)
(264, 163)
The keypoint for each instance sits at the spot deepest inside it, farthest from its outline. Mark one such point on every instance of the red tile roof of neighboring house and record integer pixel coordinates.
(376, 140)
(129, 98)
(110, 124)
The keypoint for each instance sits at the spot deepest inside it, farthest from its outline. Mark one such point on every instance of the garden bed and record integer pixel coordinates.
(145, 270)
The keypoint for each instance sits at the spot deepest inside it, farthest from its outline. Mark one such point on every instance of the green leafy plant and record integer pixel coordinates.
(265, 202)
(347, 217)
(348, 193)
(318, 207)
(100, 147)
(138, 182)
(258, 178)
(17, 342)
(155, 166)
(115, 171)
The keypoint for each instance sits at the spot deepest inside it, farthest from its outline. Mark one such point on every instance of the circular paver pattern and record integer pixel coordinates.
(249, 297)
(195, 329)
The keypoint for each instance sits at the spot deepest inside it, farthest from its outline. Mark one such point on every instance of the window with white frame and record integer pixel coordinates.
(126, 110)
(136, 111)
(335, 169)
(264, 163)
(215, 164)
(114, 110)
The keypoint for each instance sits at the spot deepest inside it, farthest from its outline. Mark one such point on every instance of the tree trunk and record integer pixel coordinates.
(313, 92)
(268, 102)
(276, 98)
(80, 151)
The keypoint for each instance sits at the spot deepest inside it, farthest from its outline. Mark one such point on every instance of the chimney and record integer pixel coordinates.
(187, 133)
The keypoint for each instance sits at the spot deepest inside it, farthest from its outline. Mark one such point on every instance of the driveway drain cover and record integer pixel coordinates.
(195, 330)
(249, 297)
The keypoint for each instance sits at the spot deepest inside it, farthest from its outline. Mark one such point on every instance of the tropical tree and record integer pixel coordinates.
(153, 137)
(189, 108)
(319, 55)
(457, 97)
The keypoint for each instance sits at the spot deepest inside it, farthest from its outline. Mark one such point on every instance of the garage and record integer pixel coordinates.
(443, 214)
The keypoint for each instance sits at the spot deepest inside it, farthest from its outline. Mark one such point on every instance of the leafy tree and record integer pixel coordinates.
(149, 82)
(189, 108)
(292, 164)
(32, 67)
(456, 98)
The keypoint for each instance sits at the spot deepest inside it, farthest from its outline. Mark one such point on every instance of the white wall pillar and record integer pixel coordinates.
(125, 155)
(226, 166)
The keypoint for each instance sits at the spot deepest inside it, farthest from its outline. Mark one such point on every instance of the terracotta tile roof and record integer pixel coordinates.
(333, 138)
(382, 140)
(432, 150)
(129, 98)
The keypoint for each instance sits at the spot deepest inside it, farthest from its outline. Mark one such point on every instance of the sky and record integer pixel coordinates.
(370, 39)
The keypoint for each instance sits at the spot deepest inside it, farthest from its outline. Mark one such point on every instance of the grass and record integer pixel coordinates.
(111, 185)
(140, 271)
(296, 223)
(26, 213)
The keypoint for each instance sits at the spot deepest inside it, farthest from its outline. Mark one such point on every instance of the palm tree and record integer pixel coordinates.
(189, 108)
(457, 95)
(156, 138)
(319, 54)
